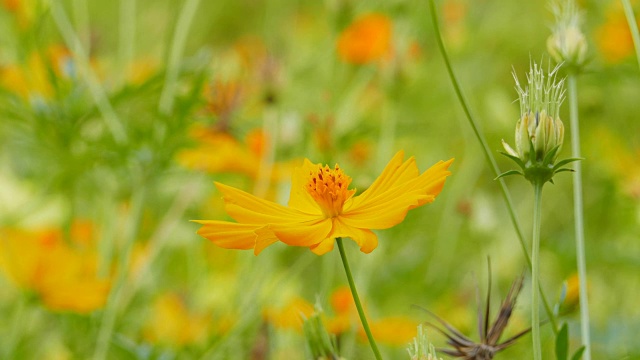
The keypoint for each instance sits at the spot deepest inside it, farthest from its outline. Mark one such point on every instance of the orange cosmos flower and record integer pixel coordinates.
(613, 38)
(322, 208)
(63, 275)
(367, 39)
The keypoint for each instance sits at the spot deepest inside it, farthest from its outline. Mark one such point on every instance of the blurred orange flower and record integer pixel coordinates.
(322, 208)
(219, 152)
(173, 324)
(614, 39)
(367, 39)
(622, 161)
(62, 274)
(32, 78)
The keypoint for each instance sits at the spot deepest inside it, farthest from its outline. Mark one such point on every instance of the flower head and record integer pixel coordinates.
(539, 131)
(366, 40)
(322, 208)
(64, 276)
(567, 43)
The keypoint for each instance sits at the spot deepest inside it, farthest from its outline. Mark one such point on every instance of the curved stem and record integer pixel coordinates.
(633, 27)
(535, 272)
(489, 158)
(578, 214)
(352, 286)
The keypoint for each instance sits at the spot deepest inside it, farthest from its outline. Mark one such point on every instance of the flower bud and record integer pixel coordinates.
(567, 43)
(539, 131)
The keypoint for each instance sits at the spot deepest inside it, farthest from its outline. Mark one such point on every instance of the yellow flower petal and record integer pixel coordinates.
(246, 208)
(300, 198)
(303, 234)
(230, 235)
(397, 190)
(365, 238)
(394, 172)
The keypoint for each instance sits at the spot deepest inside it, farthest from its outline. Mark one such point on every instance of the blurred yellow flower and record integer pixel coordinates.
(219, 151)
(572, 295)
(367, 39)
(62, 274)
(393, 330)
(172, 323)
(613, 38)
(291, 315)
(322, 208)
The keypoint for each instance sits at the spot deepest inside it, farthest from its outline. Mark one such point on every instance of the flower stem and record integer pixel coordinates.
(173, 63)
(489, 158)
(354, 292)
(112, 307)
(535, 272)
(633, 26)
(578, 213)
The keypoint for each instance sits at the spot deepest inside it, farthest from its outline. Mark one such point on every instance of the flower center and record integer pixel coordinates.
(329, 188)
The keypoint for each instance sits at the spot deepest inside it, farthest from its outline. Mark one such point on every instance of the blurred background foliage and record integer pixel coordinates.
(116, 118)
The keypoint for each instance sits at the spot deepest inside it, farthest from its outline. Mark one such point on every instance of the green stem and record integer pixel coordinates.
(578, 213)
(113, 304)
(633, 26)
(352, 285)
(535, 272)
(488, 157)
(177, 48)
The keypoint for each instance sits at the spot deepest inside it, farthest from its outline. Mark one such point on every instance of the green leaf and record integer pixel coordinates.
(561, 163)
(550, 155)
(562, 343)
(563, 170)
(578, 353)
(514, 158)
(507, 173)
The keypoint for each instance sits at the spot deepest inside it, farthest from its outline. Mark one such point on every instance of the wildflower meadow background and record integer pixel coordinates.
(116, 119)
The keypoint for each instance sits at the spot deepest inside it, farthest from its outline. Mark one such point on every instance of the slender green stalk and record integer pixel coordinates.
(535, 272)
(488, 157)
(578, 213)
(113, 304)
(633, 26)
(177, 48)
(127, 37)
(113, 122)
(354, 292)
